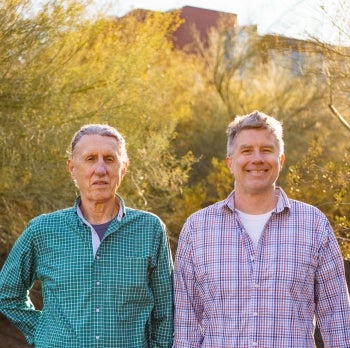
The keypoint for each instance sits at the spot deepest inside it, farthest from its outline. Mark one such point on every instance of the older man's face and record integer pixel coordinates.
(96, 168)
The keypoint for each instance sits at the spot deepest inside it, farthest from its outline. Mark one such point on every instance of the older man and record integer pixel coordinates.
(106, 269)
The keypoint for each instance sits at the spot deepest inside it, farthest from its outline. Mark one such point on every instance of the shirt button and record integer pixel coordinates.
(98, 283)
(255, 314)
(255, 344)
(256, 285)
(97, 257)
(97, 309)
(97, 337)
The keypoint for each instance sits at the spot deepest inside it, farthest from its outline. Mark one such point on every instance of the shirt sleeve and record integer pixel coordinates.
(161, 283)
(332, 298)
(188, 307)
(16, 279)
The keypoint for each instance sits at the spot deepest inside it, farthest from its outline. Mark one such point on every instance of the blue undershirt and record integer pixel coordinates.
(101, 228)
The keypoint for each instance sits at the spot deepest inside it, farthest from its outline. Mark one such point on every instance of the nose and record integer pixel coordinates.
(100, 168)
(258, 157)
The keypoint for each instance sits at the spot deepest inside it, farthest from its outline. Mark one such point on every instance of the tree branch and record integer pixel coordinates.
(337, 114)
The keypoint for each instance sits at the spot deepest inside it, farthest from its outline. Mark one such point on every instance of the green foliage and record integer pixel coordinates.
(325, 184)
(62, 69)
(240, 75)
(216, 186)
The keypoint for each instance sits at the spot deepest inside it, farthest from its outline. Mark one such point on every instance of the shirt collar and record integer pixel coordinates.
(120, 215)
(282, 202)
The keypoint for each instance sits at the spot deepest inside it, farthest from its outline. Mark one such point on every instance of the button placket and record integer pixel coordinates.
(96, 298)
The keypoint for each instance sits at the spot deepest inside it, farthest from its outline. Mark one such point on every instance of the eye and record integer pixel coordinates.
(246, 151)
(267, 150)
(109, 159)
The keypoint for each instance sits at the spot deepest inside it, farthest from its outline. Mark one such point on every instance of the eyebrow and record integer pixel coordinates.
(246, 146)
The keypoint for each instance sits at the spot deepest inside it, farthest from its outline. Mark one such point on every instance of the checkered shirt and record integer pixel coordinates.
(229, 294)
(121, 298)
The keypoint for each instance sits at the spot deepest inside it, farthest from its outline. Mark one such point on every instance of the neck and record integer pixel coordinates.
(99, 213)
(255, 203)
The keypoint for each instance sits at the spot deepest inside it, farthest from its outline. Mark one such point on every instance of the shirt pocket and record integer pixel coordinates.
(133, 293)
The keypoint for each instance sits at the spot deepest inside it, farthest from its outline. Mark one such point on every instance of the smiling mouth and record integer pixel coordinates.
(257, 171)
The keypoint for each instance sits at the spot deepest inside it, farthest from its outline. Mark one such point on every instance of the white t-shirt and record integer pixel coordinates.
(254, 224)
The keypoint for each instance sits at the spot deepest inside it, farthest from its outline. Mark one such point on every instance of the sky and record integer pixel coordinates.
(293, 18)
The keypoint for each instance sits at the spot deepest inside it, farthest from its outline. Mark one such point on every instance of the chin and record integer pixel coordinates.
(101, 198)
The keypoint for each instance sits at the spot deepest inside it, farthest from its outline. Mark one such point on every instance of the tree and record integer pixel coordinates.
(241, 72)
(325, 184)
(335, 54)
(237, 77)
(327, 181)
(62, 69)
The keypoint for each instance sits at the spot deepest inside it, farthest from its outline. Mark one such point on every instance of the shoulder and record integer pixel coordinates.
(138, 216)
(44, 225)
(213, 211)
(299, 209)
(50, 222)
(52, 217)
(206, 221)
(305, 209)
(309, 223)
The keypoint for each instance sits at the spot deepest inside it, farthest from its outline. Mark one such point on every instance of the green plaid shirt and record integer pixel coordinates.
(122, 297)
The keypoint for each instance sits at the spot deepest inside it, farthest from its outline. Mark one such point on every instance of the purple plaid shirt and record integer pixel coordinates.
(229, 294)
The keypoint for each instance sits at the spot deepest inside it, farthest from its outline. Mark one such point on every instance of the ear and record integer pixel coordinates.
(282, 158)
(70, 166)
(228, 161)
(124, 170)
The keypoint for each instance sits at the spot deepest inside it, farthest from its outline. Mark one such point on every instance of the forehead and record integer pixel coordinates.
(96, 143)
(260, 136)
